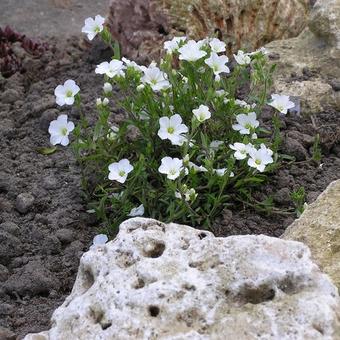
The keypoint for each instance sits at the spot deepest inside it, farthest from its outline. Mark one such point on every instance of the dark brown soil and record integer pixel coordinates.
(41, 246)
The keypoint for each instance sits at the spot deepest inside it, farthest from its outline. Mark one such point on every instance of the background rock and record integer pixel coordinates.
(316, 49)
(141, 26)
(169, 281)
(319, 228)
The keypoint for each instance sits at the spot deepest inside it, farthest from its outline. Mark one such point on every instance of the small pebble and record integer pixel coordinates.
(24, 202)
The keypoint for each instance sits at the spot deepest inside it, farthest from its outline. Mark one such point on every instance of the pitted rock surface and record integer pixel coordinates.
(319, 228)
(170, 281)
(141, 26)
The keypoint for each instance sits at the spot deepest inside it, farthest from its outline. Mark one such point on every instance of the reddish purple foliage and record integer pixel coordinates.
(9, 61)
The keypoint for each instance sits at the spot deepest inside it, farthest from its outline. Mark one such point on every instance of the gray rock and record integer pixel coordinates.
(319, 228)
(24, 202)
(317, 49)
(170, 281)
(50, 182)
(10, 227)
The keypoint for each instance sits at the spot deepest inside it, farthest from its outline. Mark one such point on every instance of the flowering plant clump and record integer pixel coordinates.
(188, 146)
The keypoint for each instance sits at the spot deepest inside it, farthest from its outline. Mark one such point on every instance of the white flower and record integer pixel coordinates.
(117, 195)
(103, 102)
(138, 211)
(242, 58)
(262, 50)
(281, 103)
(191, 51)
(217, 45)
(269, 151)
(203, 42)
(217, 63)
(111, 69)
(221, 93)
(246, 122)
(202, 113)
(172, 129)
(65, 93)
(244, 104)
(215, 144)
(260, 158)
(119, 171)
(241, 150)
(155, 78)
(98, 241)
(171, 167)
(107, 88)
(132, 64)
(59, 130)
(220, 172)
(93, 26)
(197, 168)
(189, 194)
(113, 134)
(173, 45)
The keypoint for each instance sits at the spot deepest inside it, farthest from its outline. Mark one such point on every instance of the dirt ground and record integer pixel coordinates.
(44, 227)
(49, 17)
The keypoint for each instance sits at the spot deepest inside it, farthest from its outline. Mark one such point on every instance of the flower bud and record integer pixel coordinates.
(107, 88)
(140, 87)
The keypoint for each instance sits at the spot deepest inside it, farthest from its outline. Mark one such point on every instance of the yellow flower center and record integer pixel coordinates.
(258, 162)
(69, 94)
(63, 131)
(171, 130)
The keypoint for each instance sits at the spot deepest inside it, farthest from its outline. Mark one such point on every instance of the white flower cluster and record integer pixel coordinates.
(172, 127)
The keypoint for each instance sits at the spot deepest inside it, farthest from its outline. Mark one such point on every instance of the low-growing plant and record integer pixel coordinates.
(316, 149)
(187, 146)
(299, 199)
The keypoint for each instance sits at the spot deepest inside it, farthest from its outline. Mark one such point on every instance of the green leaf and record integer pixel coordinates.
(47, 151)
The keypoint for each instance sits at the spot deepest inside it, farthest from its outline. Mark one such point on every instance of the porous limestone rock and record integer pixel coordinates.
(169, 281)
(313, 58)
(319, 228)
(141, 26)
